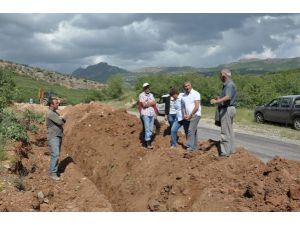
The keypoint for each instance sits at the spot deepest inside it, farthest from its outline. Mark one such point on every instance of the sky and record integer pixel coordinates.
(64, 42)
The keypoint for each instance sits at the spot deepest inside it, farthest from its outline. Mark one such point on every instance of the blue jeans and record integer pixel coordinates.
(175, 127)
(171, 119)
(148, 124)
(55, 144)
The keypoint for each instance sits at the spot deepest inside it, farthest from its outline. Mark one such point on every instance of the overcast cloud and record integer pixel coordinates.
(64, 42)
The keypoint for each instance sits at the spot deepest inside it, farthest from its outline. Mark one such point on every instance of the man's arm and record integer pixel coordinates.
(55, 118)
(220, 100)
(197, 104)
(195, 109)
(227, 97)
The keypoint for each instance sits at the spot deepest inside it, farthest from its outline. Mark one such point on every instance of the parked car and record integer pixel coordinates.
(284, 109)
(161, 105)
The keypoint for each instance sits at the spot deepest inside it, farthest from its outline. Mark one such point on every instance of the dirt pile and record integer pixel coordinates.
(26, 186)
(105, 144)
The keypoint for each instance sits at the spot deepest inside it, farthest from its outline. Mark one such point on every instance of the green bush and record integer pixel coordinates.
(33, 117)
(7, 89)
(3, 155)
(114, 90)
(11, 126)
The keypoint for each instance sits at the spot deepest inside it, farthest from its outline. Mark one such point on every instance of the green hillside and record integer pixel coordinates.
(28, 88)
(257, 66)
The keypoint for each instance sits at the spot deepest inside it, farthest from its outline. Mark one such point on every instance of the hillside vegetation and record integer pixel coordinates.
(49, 76)
(252, 90)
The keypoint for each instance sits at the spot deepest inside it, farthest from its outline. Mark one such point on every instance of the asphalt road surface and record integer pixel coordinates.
(262, 147)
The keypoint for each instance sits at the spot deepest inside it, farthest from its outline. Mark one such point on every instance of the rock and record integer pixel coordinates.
(7, 166)
(44, 208)
(153, 205)
(46, 200)
(36, 204)
(276, 200)
(178, 204)
(294, 193)
(41, 196)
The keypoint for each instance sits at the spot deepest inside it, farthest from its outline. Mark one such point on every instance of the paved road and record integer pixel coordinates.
(262, 147)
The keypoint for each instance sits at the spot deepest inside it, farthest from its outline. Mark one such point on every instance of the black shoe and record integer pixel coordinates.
(148, 145)
(223, 155)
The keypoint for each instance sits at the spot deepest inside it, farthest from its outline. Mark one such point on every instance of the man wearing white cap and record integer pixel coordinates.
(147, 112)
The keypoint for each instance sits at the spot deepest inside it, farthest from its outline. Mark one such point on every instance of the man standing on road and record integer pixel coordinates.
(192, 114)
(226, 107)
(147, 112)
(54, 124)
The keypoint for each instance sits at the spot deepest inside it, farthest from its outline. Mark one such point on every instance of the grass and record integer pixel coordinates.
(3, 155)
(28, 88)
(244, 120)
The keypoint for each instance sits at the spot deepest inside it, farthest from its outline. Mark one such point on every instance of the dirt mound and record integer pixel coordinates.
(26, 186)
(105, 144)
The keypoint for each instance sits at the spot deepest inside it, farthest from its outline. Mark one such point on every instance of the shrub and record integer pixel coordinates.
(11, 126)
(7, 89)
(3, 155)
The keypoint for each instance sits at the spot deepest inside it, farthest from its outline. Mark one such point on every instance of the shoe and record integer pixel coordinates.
(189, 149)
(148, 145)
(55, 177)
(173, 147)
(223, 155)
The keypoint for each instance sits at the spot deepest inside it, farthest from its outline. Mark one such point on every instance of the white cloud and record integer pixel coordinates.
(66, 41)
(266, 53)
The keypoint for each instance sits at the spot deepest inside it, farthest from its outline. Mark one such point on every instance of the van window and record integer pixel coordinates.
(297, 103)
(286, 102)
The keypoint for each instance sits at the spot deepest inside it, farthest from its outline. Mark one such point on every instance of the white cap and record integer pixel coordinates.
(146, 84)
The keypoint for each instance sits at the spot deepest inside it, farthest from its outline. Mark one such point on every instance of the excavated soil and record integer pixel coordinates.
(26, 186)
(105, 144)
(105, 168)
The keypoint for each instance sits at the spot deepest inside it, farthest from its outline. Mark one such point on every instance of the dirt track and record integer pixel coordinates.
(121, 175)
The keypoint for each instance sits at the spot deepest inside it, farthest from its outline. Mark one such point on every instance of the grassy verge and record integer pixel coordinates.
(244, 120)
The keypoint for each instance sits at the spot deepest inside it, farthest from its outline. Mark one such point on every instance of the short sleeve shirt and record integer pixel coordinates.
(145, 98)
(188, 101)
(229, 89)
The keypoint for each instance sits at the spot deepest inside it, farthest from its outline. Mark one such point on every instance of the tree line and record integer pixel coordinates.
(252, 90)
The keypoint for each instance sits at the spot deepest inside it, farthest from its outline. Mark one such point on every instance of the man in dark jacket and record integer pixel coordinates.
(54, 124)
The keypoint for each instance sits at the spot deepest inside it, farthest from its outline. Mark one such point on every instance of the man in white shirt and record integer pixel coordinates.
(192, 113)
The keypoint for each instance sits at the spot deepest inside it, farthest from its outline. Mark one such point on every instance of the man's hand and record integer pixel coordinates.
(188, 117)
(152, 103)
(213, 101)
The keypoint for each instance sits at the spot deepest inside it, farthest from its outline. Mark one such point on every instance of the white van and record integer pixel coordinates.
(161, 105)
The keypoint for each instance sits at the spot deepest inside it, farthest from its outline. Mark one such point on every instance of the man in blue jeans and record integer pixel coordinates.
(54, 124)
(147, 113)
